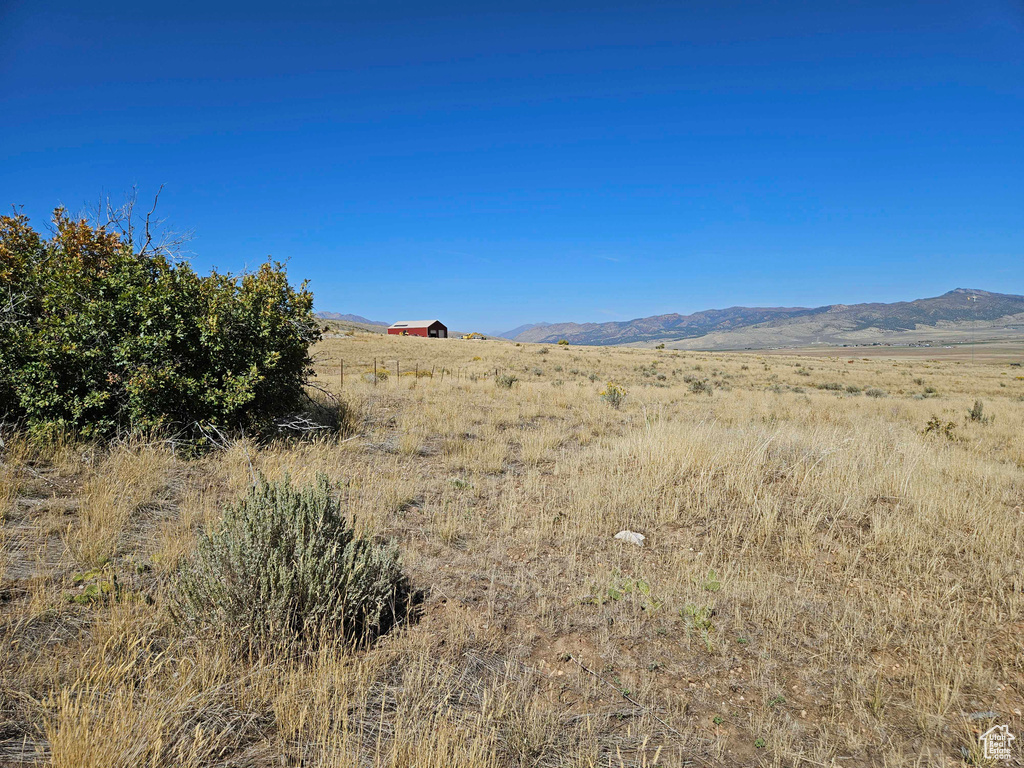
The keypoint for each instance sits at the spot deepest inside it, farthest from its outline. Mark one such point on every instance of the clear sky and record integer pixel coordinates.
(499, 163)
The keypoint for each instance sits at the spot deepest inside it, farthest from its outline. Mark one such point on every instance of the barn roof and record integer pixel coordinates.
(414, 323)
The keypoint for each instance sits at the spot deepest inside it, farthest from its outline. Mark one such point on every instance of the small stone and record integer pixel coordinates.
(630, 537)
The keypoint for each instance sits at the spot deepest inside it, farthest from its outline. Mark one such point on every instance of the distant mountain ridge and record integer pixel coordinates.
(349, 318)
(520, 330)
(739, 327)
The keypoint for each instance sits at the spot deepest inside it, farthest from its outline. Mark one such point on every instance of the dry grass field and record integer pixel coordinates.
(824, 582)
(981, 351)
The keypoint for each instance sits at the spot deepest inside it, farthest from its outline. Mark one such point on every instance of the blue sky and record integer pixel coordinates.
(540, 161)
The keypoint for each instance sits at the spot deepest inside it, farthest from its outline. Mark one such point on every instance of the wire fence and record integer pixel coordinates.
(381, 371)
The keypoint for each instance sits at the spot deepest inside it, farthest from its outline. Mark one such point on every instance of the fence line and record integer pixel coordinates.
(378, 365)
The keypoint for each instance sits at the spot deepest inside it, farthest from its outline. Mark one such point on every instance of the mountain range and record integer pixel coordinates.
(515, 332)
(349, 318)
(939, 317)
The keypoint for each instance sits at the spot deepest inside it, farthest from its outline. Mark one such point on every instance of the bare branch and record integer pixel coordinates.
(148, 238)
(146, 235)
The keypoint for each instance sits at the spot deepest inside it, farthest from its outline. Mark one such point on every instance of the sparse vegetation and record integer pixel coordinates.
(834, 552)
(977, 413)
(936, 426)
(701, 387)
(286, 565)
(613, 394)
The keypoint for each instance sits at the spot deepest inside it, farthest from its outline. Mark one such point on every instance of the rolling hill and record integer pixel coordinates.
(955, 312)
(349, 318)
(515, 332)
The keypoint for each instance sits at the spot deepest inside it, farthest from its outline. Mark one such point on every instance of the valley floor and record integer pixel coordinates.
(833, 571)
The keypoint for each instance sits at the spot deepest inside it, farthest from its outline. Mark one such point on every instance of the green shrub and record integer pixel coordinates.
(563, 342)
(936, 426)
(613, 394)
(99, 338)
(711, 582)
(698, 617)
(977, 412)
(875, 392)
(701, 386)
(620, 586)
(286, 566)
(505, 380)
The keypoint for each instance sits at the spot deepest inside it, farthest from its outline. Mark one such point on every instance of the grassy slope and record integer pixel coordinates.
(822, 584)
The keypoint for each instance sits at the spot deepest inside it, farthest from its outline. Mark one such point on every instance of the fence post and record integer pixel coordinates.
(342, 374)
(375, 371)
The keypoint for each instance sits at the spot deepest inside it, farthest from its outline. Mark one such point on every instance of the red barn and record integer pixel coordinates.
(433, 329)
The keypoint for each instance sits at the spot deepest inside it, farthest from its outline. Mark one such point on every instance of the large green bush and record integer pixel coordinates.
(99, 338)
(286, 565)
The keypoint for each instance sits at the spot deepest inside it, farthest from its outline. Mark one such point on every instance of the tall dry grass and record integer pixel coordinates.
(824, 583)
(129, 478)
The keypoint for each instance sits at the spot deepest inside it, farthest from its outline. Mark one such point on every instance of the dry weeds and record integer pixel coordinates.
(823, 582)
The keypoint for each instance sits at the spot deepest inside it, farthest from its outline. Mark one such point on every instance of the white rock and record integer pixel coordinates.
(630, 537)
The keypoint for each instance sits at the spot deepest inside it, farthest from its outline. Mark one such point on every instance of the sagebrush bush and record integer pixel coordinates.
(701, 387)
(613, 394)
(935, 425)
(505, 380)
(977, 412)
(101, 338)
(286, 565)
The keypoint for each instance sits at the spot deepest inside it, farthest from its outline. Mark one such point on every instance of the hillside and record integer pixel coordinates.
(518, 331)
(958, 310)
(350, 318)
